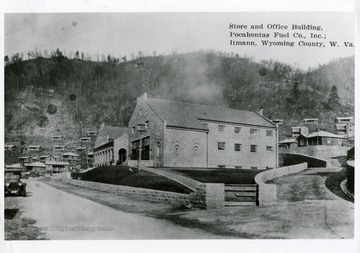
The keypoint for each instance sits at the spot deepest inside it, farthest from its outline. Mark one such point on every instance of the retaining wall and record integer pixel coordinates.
(322, 151)
(135, 193)
(268, 192)
(289, 159)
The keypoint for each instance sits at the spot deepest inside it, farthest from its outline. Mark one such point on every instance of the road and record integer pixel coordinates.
(64, 216)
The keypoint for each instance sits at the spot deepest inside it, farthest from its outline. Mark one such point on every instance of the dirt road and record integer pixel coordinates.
(64, 216)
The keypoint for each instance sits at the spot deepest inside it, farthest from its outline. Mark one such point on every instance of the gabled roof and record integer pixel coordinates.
(69, 154)
(56, 163)
(115, 132)
(288, 141)
(190, 115)
(325, 134)
(36, 164)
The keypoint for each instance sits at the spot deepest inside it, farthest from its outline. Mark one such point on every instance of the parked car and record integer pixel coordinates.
(13, 183)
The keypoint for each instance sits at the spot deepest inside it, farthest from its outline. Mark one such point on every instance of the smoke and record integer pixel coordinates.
(191, 80)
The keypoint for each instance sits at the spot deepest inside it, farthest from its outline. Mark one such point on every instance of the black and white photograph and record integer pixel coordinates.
(179, 125)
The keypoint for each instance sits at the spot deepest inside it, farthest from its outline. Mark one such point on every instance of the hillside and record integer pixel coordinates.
(58, 95)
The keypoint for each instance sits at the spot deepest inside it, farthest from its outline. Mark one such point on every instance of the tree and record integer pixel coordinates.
(82, 56)
(334, 99)
(77, 55)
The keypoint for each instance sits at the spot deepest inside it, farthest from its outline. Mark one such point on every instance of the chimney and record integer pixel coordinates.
(143, 97)
(261, 112)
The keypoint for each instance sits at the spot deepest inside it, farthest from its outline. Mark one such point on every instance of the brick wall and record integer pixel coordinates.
(135, 193)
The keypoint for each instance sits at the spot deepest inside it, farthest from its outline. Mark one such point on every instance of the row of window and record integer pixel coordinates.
(237, 147)
(253, 131)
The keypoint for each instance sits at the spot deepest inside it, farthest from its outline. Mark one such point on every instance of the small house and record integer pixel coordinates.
(288, 144)
(91, 133)
(58, 138)
(11, 147)
(322, 138)
(344, 120)
(60, 148)
(300, 130)
(56, 166)
(278, 121)
(35, 148)
(311, 121)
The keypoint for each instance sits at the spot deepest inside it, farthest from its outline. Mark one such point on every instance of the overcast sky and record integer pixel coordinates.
(122, 34)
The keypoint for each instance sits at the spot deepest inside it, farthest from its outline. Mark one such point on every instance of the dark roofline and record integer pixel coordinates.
(236, 123)
(272, 123)
(188, 128)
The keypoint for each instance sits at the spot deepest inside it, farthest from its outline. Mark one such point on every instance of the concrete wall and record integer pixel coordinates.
(186, 156)
(286, 159)
(135, 193)
(324, 152)
(155, 130)
(268, 192)
(231, 158)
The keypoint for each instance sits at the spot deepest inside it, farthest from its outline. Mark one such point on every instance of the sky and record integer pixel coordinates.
(120, 34)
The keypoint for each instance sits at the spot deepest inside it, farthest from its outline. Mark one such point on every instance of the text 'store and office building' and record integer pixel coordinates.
(165, 133)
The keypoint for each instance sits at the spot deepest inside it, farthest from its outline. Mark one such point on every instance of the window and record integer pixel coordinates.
(221, 128)
(145, 148)
(133, 130)
(221, 145)
(269, 133)
(158, 149)
(269, 148)
(196, 151)
(253, 148)
(237, 147)
(302, 142)
(328, 141)
(141, 127)
(237, 129)
(238, 167)
(135, 150)
(253, 130)
(176, 149)
(146, 124)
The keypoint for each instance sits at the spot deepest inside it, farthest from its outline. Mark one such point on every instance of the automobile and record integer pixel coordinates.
(13, 183)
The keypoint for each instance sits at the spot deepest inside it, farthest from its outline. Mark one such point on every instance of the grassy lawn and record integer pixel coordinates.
(227, 176)
(121, 175)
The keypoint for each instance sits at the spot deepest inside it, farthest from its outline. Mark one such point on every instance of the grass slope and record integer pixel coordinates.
(227, 176)
(121, 175)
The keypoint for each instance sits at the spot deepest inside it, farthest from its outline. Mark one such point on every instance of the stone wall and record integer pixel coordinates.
(155, 129)
(324, 152)
(208, 196)
(268, 192)
(135, 193)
